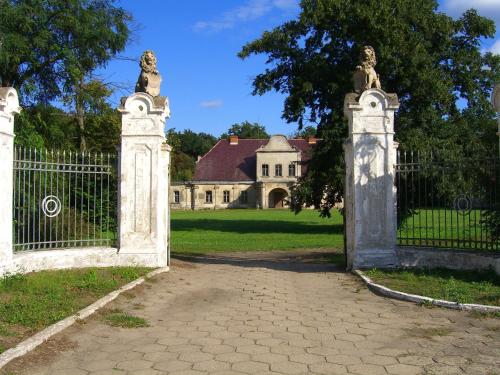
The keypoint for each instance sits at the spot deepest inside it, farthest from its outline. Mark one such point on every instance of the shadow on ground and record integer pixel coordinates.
(303, 261)
(255, 226)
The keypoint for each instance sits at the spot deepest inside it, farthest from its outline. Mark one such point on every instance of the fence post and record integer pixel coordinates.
(370, 195)
(144, 179)
(9, 106)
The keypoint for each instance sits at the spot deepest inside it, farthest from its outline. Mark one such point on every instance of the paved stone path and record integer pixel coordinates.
(250, 315)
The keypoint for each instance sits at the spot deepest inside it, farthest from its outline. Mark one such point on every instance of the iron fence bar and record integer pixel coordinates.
(460, 195)
(57, 202)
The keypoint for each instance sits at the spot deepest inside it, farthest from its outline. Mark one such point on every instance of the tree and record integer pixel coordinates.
(247, 130)
(196, 144)
(426, 57)
(47, 47)
(306, 132)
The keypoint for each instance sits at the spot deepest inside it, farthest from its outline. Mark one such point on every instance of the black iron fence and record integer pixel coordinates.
(64, 199)
(448, 202)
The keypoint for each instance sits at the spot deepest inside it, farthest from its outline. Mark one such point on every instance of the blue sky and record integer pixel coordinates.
(196, 43)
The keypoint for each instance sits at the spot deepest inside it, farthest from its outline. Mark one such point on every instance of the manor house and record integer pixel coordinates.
(244, 173)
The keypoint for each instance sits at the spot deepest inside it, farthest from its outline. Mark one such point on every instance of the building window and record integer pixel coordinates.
(291, 170)
(265, 170)
(177, 196)
(208, 196)
(244, 197)
(278, 170)
(226, 196)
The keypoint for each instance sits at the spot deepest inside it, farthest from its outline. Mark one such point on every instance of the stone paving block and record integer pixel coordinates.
(400, 369)
(218, 349)
(328, 369)
(379, 360)
(136, 364)
(251, 367)
(287, 367)
(159, 356)
(170, 366)
(211, 366)
(195, 357)
(415, 360)
(252, 349)
(97, 365)
(366, 369)
(270, 357)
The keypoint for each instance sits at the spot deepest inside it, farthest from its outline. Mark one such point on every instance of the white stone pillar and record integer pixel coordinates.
(9, 106)
(144, 179)
(370, 195)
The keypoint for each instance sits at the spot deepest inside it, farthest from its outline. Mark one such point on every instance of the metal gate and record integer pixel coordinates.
(64, 199)
(448, 202)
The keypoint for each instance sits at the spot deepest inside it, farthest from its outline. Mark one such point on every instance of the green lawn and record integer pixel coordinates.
(457, 286)
(29, 303)
(200, 232)
(446, 228)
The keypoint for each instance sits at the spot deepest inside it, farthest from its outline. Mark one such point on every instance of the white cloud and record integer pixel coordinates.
(211, 103)
(251, 10)
(487, 8)
(495, 48)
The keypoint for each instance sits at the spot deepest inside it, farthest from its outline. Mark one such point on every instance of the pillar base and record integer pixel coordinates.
(375, 258)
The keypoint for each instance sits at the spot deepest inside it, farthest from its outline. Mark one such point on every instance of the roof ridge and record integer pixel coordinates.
(209, 151)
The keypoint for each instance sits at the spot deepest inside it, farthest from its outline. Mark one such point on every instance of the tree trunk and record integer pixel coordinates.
(80, 115)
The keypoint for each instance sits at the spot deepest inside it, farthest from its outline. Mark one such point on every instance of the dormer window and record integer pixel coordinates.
(265, 170)
(291, 170)
(278, 170)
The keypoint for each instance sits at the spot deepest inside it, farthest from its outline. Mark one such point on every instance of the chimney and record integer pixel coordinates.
(311, 140)
(233, 139)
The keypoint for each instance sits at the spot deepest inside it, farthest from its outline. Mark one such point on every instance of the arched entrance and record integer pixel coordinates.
(277, 198)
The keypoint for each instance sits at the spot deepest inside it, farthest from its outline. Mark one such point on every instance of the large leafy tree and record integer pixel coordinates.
(247, 130)
(49, 49)
(429, 59)
(47, 46)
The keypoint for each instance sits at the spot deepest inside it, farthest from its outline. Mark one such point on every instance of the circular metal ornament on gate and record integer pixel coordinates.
(463, 204)
(51, 206)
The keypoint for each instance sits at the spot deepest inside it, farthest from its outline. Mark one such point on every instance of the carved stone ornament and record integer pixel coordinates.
(150, 79)
(365, 77)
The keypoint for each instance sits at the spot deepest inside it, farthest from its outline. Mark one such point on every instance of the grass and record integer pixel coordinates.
(117, 318)
(200, 232)
(446, 228)
(457, 286)
(29, 303)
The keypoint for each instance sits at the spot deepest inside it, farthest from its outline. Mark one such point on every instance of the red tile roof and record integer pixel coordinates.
(225, 162)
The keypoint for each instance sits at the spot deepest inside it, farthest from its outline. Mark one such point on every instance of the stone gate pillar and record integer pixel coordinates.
(9, 106)
(144, 179)
(370, 195)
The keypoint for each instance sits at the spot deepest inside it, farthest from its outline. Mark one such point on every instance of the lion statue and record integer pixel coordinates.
(365, 76)
(150, 79)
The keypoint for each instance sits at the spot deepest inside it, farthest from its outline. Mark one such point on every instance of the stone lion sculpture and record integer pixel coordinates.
(150, 79)
(365, 76)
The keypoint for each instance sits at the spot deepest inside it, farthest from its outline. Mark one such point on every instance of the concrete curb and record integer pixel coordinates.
(39, 338)
(380, 289)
